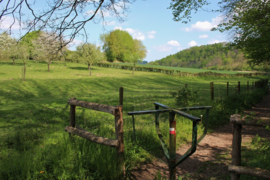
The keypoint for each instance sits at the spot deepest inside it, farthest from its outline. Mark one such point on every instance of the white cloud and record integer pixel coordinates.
(203, 36)
(204, 26)
(151, 34)
(173, 43)
(110, 23)
(136, 34)
(168, 46)
(6, 21)
(214, 41)
(192, 43)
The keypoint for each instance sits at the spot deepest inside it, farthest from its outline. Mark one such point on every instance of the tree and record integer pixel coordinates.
(46, 48)
(27, 41)
(249, 21)
(6, 44)
(138, 53)
(61, 17)
(117, 45)
(90, 54)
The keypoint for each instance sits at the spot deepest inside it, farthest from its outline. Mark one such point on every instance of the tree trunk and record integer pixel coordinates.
(48, 67)
(89, 67)
(13, 61)
(24, 71)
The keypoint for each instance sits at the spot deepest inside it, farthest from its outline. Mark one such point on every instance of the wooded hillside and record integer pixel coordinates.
(213, 57)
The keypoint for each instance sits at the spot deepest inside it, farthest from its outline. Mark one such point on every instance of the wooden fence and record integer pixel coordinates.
(173, 72)
(257, 84)
(235, 168)
(116, 111)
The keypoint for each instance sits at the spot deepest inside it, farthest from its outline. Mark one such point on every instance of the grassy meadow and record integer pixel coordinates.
(34, 114)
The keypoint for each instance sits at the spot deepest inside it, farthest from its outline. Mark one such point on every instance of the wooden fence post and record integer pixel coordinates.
(227, 88)
(72, 115)
(236, 148)
(212, 90)
(121, 97)
(238, 87)
(119, 131)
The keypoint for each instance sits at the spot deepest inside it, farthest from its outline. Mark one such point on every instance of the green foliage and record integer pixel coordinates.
(182, 9)
(185, 96)
(256, 154)
(250, 20)
(118, 45)
(247, 21)
(212, 57)
(89, 53)
(27, 41)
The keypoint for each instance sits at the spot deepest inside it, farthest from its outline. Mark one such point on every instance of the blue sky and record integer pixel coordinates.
(151, 21)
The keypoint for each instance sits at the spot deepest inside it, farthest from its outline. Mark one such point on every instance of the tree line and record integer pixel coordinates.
(213, 57)
(118, 45)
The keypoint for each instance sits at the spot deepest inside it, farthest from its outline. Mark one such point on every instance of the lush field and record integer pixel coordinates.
(190, 70)
(34, 114)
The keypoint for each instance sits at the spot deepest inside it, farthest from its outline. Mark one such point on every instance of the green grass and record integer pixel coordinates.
(183, 69)
(35, 112)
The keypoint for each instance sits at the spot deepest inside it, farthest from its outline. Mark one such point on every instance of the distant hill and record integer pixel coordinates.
(212, 57)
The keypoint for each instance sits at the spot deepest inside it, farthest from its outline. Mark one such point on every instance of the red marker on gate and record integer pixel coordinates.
(172, 131)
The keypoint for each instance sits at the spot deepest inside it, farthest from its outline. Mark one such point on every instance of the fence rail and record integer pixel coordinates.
(117, 111)
(236, 169)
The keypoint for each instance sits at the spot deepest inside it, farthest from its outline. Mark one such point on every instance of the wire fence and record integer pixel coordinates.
(34, 126)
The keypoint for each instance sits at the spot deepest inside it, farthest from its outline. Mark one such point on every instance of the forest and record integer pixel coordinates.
(217, 56)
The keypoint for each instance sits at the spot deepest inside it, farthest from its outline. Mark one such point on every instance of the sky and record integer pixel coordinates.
(152, 22)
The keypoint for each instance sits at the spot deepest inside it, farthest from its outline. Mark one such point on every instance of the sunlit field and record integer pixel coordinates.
(34, 114)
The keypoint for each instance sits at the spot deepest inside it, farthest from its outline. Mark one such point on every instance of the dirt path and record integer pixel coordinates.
(213, 154)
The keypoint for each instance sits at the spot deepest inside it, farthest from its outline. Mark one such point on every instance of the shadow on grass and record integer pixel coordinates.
(11, 63)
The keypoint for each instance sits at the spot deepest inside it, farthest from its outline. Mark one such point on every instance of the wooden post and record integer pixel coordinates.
(247, 86)
(72, 115)
(212, 90)
(172, 150)
(227, 88)
(121, 96)
(236, 148)
(119, 133)
(238, 87)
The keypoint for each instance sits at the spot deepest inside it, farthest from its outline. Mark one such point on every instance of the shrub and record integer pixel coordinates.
(184, 96)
